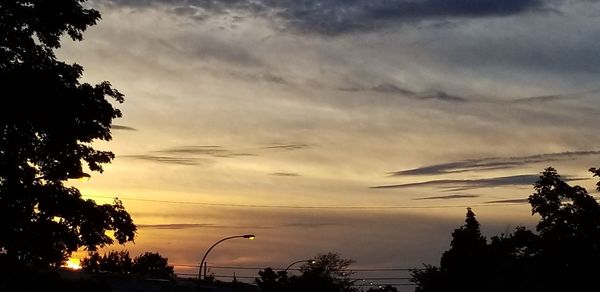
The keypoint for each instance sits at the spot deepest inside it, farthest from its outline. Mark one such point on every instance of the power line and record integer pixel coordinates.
(297, 269)
(304, 206)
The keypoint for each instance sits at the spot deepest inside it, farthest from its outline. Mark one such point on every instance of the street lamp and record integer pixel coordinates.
(300, 261)
(247, 236)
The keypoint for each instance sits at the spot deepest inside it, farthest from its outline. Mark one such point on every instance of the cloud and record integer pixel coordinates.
(288, 147)
(449, 197)
(552, 97)
(289, 174)
(214, 151)
(491, 163)
(509, 201)
(389, 88)
(334, 17)
(194, 155)
(466, 184)
(122, 128)
(167, 159)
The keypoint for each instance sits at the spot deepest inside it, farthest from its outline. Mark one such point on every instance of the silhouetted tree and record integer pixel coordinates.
(325, 273)
(569, 231)
(152, 264)
(271, 281)
(48, 120)
(562, 256)
(465, 261)
(429, 279)
(114, 262)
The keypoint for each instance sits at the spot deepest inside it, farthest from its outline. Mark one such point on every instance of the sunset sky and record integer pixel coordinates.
(359, 127)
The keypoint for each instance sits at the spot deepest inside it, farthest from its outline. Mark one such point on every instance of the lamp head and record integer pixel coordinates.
(249, 236)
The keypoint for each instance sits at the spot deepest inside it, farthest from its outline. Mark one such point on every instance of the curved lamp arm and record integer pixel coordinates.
(300, 261)
(248, 236)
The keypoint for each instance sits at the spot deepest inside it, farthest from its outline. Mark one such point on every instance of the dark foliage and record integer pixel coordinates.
(14, 277)
(148, 264)
(48, 120)
(271, 281)
(562, 256)
(325, 273)
(113, 262)
(152, 264)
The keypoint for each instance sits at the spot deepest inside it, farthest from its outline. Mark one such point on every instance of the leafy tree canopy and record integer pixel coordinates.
(152, 264)
(48, 120)
(325, 273)
(562, 256)
(148, 264)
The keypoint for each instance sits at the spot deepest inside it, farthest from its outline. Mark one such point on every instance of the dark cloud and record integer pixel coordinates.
(214, 151)
(466, 184)
(332, 17)
(284, 174)
(388, 88)
(509, 201)
(491, 163)
(168, 159)
(392, 89)
(449, 197)
(287, 147)
(122, 128)
(552, 97)
(440, 95)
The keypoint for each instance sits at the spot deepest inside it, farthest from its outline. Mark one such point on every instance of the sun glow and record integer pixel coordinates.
(73, 264)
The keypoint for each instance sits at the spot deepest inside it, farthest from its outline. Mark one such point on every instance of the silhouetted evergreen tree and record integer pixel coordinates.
(465, 261)
(48, 121)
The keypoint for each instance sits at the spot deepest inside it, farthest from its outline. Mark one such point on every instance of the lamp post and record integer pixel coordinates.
(248, 236)
(300, 261)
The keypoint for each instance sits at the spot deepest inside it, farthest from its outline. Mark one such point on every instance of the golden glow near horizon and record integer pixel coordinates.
(73, 263)
(368, 143)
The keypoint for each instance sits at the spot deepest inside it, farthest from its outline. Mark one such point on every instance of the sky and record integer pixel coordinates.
(359, 127)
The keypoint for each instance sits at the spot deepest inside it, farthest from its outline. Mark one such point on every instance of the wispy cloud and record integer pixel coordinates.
(168, 159)
(288, 147)
(392, 89)
(466, 184)
(214, 151)
(123, 128)
(334, 17)
(491, 163)
(207, 154)
(509, 201)
(552, 97)
(289, 174)
(448, 197)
